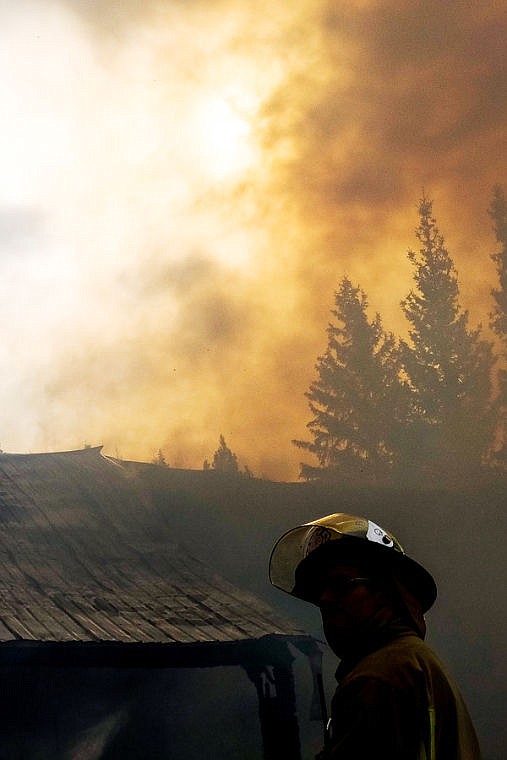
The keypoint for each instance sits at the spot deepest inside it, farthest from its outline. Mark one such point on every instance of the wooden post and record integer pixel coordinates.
(277, 709)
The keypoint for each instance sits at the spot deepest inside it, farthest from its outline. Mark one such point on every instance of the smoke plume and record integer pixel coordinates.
(184, 186)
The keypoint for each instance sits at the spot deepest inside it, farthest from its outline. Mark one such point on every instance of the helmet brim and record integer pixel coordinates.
(411, 574)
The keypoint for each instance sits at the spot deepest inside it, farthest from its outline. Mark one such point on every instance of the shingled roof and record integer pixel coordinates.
(81, 561)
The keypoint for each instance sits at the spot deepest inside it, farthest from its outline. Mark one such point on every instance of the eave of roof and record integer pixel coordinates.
(271, 649)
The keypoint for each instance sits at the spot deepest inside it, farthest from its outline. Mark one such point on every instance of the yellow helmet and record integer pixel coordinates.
(335, 536)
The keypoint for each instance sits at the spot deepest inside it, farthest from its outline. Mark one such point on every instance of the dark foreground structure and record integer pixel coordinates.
(116, 641)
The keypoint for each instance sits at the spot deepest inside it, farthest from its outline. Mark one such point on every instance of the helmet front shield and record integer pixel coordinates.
(291, 549)
(295, 545)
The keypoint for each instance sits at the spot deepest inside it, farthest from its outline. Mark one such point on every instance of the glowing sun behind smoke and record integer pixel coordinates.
(223, 134)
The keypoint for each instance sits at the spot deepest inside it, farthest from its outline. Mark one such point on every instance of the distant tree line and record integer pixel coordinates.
(434, 406)
(224, 460)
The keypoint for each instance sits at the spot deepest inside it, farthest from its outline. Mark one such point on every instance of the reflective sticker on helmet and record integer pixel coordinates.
(375, 533)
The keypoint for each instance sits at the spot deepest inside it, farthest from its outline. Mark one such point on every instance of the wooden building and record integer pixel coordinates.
(99, 593)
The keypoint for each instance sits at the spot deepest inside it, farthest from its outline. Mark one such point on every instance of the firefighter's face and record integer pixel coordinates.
(350, 605)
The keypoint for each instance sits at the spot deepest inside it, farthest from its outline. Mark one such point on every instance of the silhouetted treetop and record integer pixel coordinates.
(498, 213)
(224, 460)
(448, 365)
(357, 398)
(160, 459)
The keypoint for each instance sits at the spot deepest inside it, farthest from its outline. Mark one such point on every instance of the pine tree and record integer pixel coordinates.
(448, 365)
(224, 460)
(498, 213)
(357, 400)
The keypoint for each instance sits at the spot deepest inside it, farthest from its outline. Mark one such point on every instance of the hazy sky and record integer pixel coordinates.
(184, 184)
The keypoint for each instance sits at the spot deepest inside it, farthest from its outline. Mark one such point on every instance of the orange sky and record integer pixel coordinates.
(185, 184)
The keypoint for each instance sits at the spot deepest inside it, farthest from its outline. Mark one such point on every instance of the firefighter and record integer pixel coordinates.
(394, 698)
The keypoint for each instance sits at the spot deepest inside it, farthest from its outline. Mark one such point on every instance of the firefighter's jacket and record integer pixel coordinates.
(399, 703)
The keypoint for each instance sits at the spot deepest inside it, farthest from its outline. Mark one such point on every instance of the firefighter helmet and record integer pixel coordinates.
(339, 537)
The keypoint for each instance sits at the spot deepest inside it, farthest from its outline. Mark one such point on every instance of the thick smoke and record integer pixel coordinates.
(186, 183)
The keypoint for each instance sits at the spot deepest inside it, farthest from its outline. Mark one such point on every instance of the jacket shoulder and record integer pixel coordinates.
(399, 663)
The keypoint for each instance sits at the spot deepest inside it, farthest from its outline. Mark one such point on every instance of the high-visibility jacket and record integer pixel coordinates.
(400, 703)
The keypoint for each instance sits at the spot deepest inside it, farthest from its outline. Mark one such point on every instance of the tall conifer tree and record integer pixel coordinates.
(357, 397)
(449, 366)
(498, 213)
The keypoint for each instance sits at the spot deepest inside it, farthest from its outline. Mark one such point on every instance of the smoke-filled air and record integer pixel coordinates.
(184, 186)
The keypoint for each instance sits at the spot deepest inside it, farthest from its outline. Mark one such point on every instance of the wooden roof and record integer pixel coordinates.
(82, 559)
